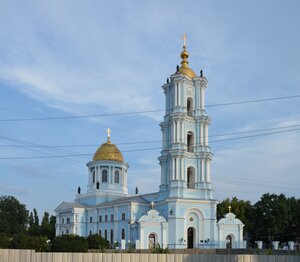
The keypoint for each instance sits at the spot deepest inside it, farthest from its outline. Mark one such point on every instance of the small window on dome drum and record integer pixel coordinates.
(117, 177)
(104, 176)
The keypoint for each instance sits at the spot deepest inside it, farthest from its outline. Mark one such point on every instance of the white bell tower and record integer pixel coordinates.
(185, 158)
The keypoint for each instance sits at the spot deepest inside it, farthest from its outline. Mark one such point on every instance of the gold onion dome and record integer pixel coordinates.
(108, 151)
(185, 69)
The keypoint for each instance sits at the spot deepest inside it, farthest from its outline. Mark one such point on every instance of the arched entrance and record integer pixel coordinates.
(229, 242)
(190, 237)
(151, 241)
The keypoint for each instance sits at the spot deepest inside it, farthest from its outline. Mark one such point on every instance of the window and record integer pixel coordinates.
(112, 217)
(62, 220)
(151, 241)
(76, 218)
(117, 177)
(189, 107)
(100, 218)
(67, 231)
(111, 236)
(190, 142)
(91, 232)
(68, 220)
(94, 177)
(190, 178)
(100, 233)
(123, 233)
(105, 234)
(76, 230)
(91, 219)
(106, 219)
(104, 176)
(123, 216)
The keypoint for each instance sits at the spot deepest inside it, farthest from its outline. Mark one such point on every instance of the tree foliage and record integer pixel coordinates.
(69, 243)
(13, 216)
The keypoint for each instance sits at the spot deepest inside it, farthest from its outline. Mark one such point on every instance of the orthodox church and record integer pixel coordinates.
(182, 213)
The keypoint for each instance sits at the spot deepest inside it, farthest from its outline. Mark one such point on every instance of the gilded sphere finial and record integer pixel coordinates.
(185, 69)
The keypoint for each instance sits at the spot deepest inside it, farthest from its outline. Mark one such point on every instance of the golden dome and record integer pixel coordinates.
(108, 151)
(185, 69)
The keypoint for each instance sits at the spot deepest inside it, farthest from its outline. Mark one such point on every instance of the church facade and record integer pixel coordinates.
(182, 214)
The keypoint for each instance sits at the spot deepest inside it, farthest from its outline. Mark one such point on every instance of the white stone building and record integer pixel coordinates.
(182, 214)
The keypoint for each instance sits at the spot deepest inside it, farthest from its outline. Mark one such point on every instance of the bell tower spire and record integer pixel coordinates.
(185, 158)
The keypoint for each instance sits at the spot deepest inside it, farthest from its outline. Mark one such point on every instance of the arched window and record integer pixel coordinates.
(190, 142)
(111, 236)
(100, 233)
(105, 234)
(190, 177)
(117, 177)
(123, 234)
(123, 216)
(104, 176)
(189, 106)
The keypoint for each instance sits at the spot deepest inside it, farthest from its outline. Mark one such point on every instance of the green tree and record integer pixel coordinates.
(36, 217)
(97, 242)
(69, 243)
(13, 216)
(276, 218)
(47, 227)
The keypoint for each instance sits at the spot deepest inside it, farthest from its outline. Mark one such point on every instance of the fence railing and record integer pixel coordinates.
(17, 255)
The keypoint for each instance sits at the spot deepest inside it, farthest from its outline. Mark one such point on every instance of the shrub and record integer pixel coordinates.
(22, 241)
(4, 241)
(97, 242)
(69, 243)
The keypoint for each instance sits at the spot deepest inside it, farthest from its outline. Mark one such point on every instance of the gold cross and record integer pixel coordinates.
(229, 208)
(108, 131)
(184, 39)
(152, 204)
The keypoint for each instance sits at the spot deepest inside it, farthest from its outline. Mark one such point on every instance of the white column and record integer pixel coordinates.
(176, 133)
(202, 98)
(201, 134)
(182, 169)
(202, 171)
(179, 96)
(198, 177)
(162, 173)
(206, 135)
(171, 169)
(173, 128)
(207, 170)
(176, 88)
(176, 167)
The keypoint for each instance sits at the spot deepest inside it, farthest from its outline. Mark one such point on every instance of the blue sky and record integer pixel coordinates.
(68, 58)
